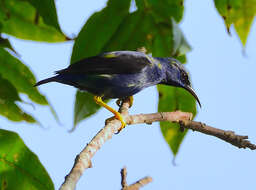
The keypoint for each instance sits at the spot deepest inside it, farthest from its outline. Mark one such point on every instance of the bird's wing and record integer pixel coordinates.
(119, 62)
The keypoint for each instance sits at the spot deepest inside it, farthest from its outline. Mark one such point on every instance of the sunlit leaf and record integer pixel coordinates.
(47, 10)
(240, 13)
(11, 111)
(21, 19)
(172, 99)
(20, 168)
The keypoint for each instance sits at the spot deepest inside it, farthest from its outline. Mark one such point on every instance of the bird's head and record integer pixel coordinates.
(176, 75)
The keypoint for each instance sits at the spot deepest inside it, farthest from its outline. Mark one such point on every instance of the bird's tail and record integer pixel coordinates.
(52, 79)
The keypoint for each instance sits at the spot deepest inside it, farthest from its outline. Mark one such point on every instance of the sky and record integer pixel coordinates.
(222, 76)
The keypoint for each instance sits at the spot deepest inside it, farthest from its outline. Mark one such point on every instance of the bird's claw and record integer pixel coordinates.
(120, 118)
(130, 99)
(120, 129)
(118, 102)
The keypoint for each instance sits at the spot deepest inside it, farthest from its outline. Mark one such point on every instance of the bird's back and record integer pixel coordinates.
(112, 75)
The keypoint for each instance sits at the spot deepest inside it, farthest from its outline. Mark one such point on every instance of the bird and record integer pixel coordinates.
(121, 74)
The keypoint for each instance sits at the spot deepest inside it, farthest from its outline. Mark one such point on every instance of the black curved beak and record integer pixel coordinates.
(191, 91)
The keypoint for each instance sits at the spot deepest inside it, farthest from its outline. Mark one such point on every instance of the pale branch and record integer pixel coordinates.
(228, 136)
(182, 118)
(83, 160)
(135, 186)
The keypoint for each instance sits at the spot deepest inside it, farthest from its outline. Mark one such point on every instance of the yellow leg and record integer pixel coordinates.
(99, 101)
(118, 102)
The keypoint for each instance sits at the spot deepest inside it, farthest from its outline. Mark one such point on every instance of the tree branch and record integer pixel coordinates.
(228, 136)
(135, 186)
(83, 160)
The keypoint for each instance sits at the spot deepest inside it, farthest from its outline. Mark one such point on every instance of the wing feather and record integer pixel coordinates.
(119, 62)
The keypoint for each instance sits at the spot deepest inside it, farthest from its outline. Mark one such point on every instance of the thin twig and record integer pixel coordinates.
(135, 186)
(228, 136)
(83, 160)
(138, 184)
(123, 177)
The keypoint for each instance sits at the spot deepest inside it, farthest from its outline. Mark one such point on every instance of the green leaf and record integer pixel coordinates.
(181, 46)
(101, 25)
(8, 91)
(169, 41)
(91, 40)
(140, 29)
(134, 32)
(162, 10)
(20, 169)
(5, 43)
(23, 80)
(47, 10)
(9, 109)
(172, 99)
(20, 76)
(84, 107)
(240, 13)
(13, 112)
(22, 20)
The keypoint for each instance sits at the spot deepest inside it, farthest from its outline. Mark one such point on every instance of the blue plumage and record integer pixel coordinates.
(122, 74)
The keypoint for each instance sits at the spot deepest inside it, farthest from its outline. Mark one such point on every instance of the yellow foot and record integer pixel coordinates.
(118, 116)
(130, 98)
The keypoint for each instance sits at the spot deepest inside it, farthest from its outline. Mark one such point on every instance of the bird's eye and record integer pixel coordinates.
(184, 77)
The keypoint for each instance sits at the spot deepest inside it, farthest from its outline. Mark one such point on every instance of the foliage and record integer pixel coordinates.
(240, 13)
(30, 20)
(19, 167)
(153, 25)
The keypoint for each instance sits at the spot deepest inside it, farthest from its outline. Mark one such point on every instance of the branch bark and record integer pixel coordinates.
(83, 160)
(135, 186)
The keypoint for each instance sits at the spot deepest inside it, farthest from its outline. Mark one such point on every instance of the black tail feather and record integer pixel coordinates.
(52, 79)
